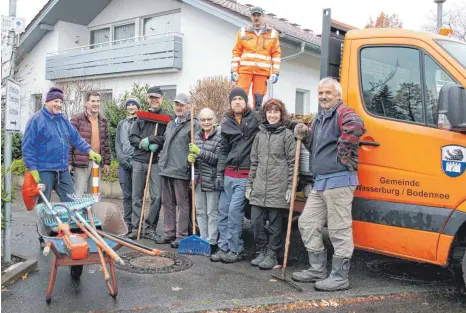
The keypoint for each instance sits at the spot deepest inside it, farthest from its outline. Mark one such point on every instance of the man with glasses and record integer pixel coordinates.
(144, 141)
(256, 57)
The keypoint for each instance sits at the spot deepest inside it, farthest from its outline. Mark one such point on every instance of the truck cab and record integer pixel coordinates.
(409, 89)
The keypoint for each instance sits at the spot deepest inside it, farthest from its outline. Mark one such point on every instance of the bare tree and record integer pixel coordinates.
(385, 21)
(454, 19)
(74, 93)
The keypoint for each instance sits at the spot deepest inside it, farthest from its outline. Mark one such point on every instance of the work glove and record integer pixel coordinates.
(36, 176)
(194, 149)
(301, 130)
(274, 78)
(288, 196)
(219, 182)
(234, 76)
(248, 193)
(97, 158)
(127, 165)
(153, 147)
(144, 144)
(191, 158)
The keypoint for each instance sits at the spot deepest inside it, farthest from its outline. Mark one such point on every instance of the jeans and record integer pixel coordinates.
(175, 194)
(155, 189)
(231, 214)
(126, 184)
(207, 213)
(259, 215)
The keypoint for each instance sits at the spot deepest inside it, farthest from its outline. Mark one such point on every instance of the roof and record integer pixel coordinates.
(280, 25)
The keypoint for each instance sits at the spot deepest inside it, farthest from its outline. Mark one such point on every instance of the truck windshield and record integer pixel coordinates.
(456, 49)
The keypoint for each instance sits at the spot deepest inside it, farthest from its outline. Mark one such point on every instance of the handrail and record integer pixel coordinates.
(111, 43)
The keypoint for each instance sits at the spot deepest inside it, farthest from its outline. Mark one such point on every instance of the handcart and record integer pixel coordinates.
(80, 232)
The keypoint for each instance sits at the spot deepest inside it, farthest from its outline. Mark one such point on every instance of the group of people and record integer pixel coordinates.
(248, 158)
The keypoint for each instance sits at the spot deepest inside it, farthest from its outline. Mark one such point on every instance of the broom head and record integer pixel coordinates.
(194, 245)
(154, 117)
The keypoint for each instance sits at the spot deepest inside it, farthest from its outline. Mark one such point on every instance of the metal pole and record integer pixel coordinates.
(439, 14)
(8, 153)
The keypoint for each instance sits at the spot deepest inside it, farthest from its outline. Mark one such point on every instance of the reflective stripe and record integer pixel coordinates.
(243, 32)
(274, 33)
(258, 64)
(256, 55)
(276, 66)
(278, 60)
(236, 59)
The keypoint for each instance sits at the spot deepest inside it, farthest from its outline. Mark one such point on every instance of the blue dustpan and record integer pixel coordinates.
(194, 245)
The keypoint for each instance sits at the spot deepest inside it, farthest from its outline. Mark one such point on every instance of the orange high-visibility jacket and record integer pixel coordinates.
(256, 55)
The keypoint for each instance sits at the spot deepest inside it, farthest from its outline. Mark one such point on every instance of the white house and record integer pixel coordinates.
(171, 43)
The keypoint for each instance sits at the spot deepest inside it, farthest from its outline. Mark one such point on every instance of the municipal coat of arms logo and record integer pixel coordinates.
(453, 160)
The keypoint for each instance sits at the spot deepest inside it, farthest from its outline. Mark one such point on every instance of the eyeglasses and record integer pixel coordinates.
(208, 119)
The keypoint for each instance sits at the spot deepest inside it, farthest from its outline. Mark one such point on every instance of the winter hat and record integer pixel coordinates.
(155, 91)
(133, 101)
(54, 93)
(238, 92)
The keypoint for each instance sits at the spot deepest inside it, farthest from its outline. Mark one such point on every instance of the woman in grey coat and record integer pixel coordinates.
(205, 153)
(270, 181)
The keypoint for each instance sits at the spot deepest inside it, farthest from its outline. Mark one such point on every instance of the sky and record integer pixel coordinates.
(307, 13)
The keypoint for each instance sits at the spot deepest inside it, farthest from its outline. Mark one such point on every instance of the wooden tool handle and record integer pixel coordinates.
(293, 196)
(152, 252)
(99, 251)
(193, 183)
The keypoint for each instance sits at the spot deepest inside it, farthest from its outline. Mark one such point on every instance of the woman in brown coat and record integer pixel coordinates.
(270, 180)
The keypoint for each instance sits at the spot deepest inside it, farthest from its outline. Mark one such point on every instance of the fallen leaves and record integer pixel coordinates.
(24, 277)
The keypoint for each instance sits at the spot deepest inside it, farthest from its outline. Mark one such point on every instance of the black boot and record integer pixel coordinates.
(338, 279)
(316, 271)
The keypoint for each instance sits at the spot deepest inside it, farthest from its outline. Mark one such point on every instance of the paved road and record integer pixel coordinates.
(204, 286)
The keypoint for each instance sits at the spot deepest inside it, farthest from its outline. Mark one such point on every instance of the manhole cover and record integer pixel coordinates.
(410, 271)
(137, 262)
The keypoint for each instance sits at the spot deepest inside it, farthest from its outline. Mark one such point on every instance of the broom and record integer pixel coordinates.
(193, 244)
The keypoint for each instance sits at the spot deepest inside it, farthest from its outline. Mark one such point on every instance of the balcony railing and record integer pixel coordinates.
(153, 52)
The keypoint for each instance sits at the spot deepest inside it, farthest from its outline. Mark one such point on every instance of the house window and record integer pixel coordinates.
(37, 101)
(122, 32)
(162, 24)
(391, 83)
(169, 92)
(302, 101)
(100, 38)
(105, 96)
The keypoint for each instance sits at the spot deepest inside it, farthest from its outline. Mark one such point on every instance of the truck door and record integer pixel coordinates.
(406, 191)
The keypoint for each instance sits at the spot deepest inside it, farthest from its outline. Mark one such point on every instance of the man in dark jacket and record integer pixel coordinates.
(45, 147)
(238, 130)
(333, 141)
(124, 153)
(175, 172)
(93, 127)
(144, 139)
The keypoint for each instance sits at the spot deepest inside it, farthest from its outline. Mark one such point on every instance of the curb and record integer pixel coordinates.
(17, 270)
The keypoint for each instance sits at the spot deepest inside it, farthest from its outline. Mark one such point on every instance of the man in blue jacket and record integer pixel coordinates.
(46, 144)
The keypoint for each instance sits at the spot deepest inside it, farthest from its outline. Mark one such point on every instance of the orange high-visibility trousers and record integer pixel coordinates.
(259, 86)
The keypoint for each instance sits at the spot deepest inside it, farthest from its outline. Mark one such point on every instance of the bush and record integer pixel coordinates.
(6, 197)
(112, 175)
(18, 168)
(17, 138)
(212, 92)
(302, 118)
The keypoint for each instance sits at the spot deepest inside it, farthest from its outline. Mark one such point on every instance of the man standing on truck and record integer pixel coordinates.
(333, 140)
(256, 57)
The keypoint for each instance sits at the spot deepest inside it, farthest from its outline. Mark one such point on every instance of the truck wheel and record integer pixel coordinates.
(76, 271)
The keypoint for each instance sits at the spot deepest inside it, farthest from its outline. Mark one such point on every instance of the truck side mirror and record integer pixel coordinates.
(452, 108)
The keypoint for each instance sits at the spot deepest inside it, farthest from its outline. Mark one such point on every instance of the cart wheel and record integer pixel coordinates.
(76, 271)
(48, 301)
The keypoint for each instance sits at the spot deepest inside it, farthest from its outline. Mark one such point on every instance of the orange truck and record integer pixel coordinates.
(409, 88)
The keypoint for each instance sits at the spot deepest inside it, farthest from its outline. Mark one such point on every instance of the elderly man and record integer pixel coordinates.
(124, 153)
(333, 141)
(93, 127)
(256, 57)
(144, 140)
(175, 172)
(45, 147)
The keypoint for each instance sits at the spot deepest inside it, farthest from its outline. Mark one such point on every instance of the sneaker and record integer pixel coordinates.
(269, 261)
(213, 249)
(41, 243)
(217, 256)
(162, 240)
(259, 258)
(152, 235)
(176, 243)
(231, 257)
(134, 234)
